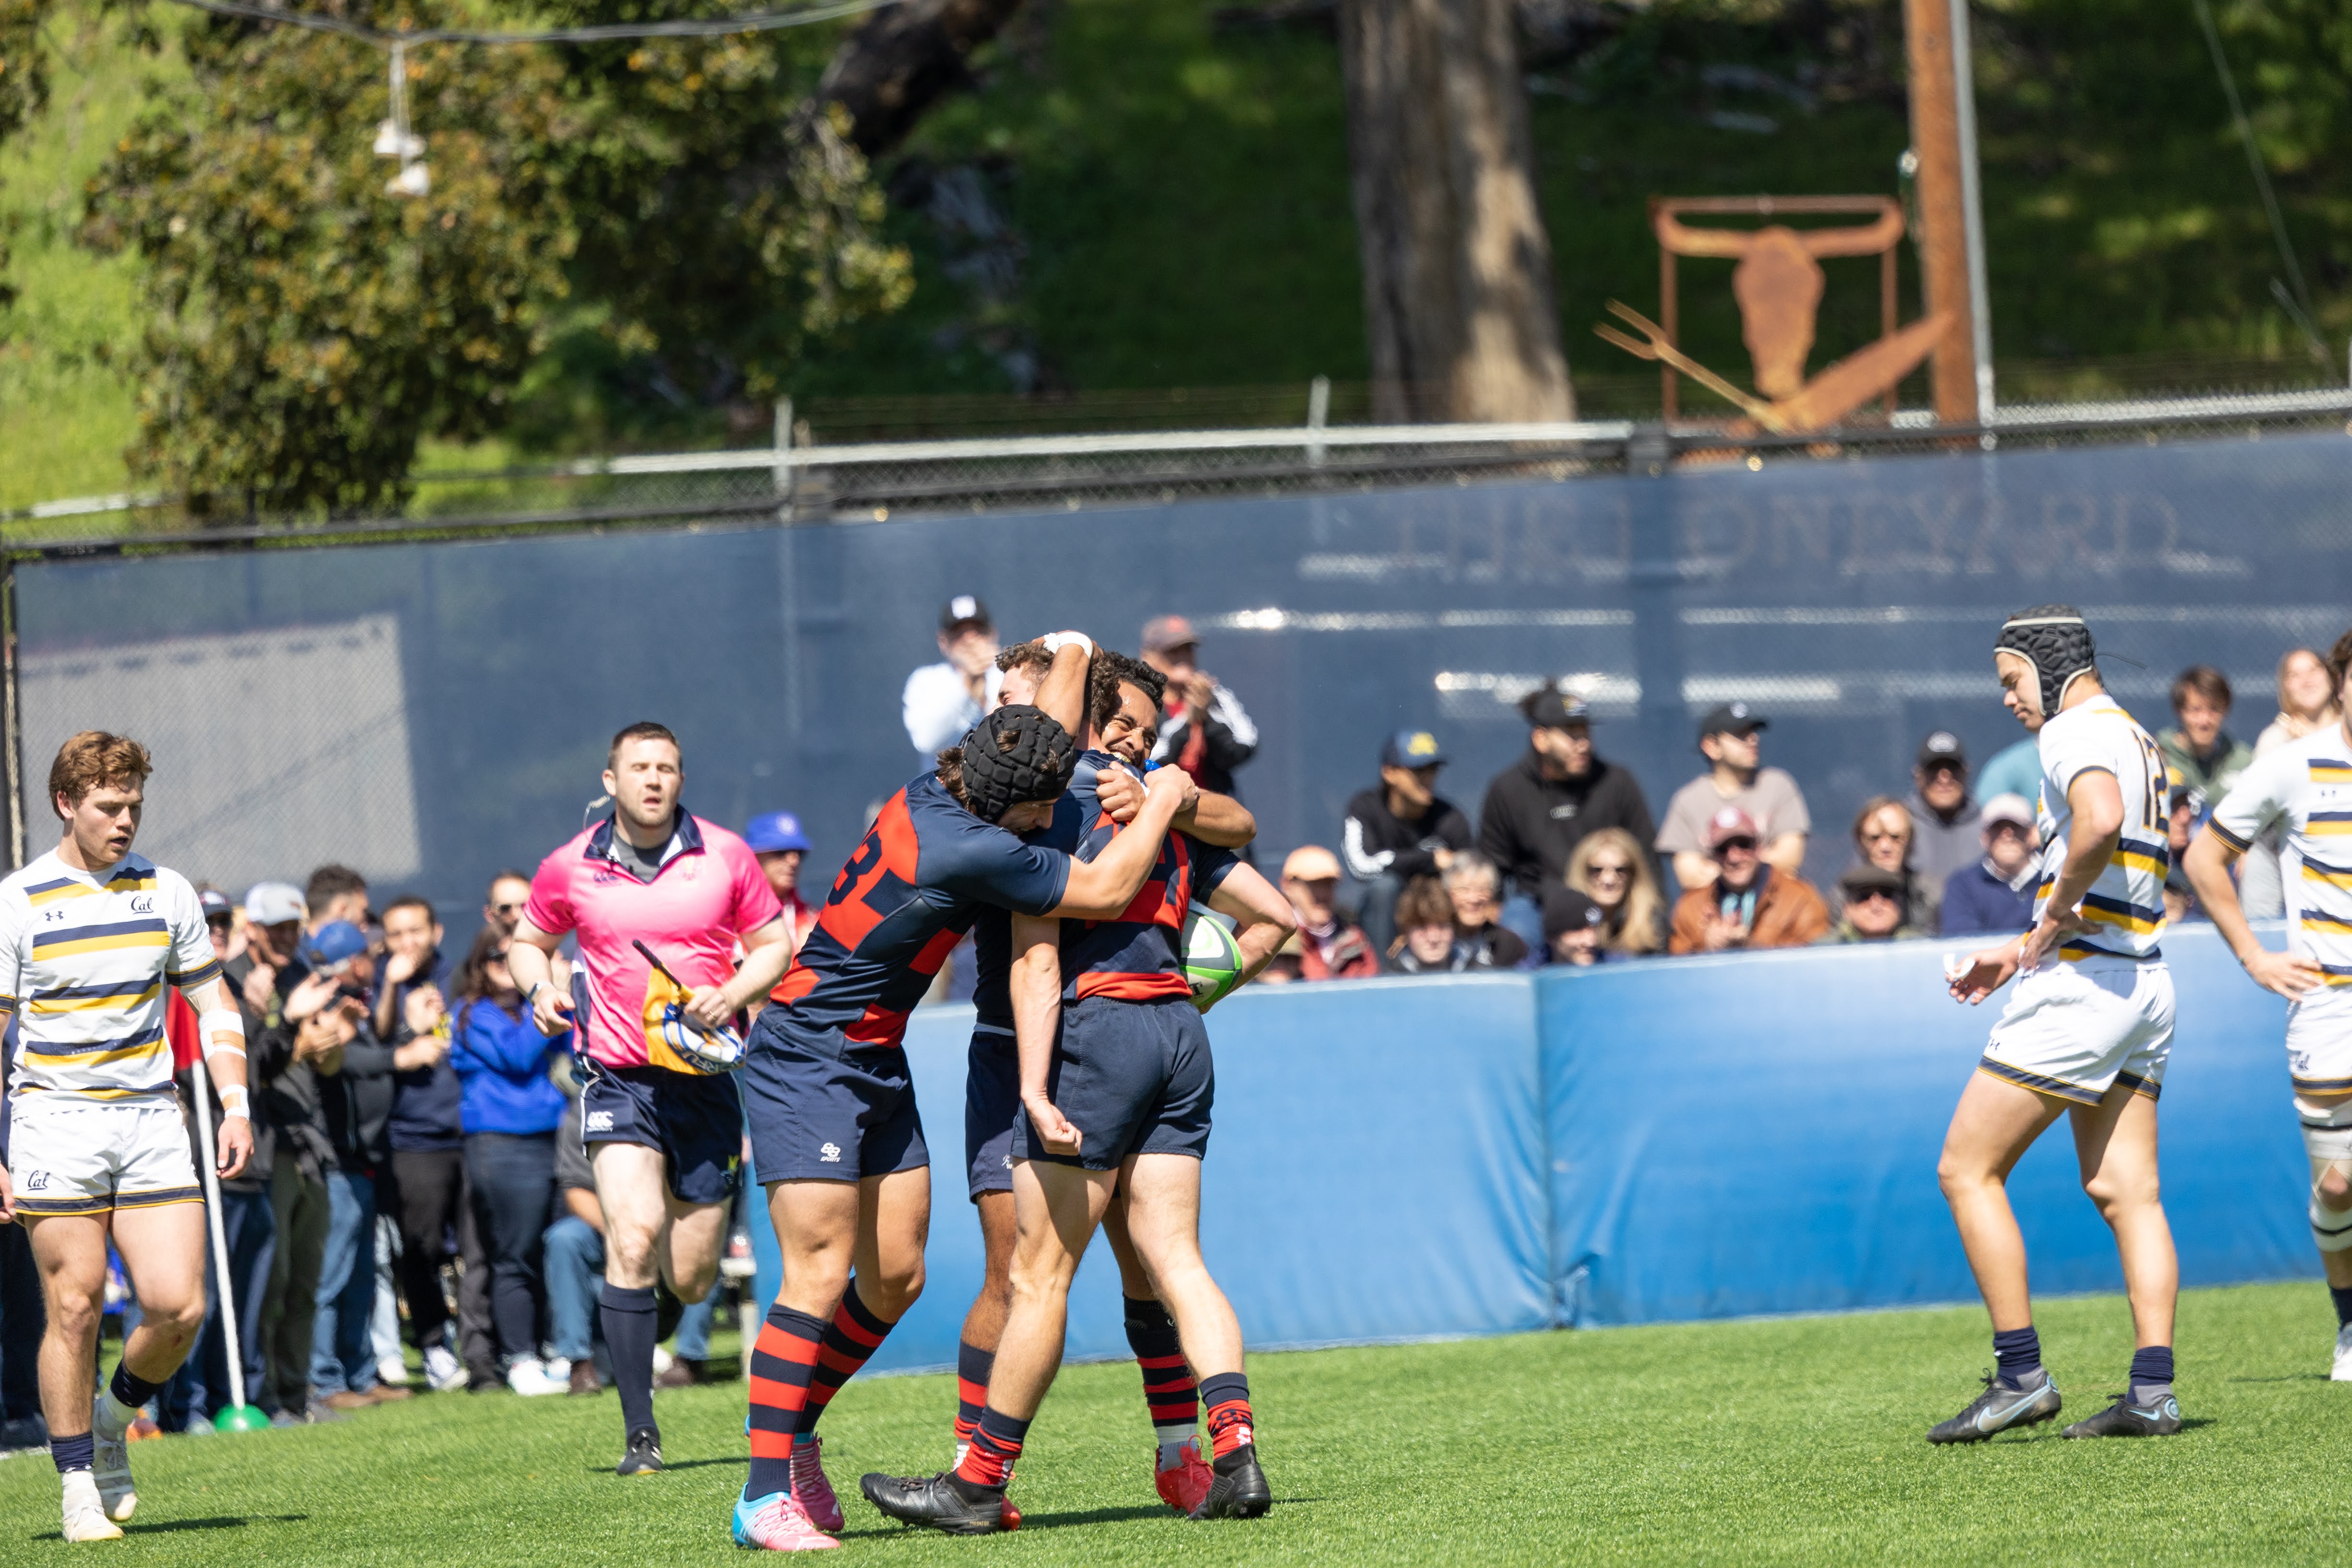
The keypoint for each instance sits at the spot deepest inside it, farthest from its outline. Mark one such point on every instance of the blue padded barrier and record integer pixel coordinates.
(1757, 1133)
(1376, 1171)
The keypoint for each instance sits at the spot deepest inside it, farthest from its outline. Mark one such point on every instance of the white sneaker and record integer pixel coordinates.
(84, 1516)
(530, 1377)
(392, 1372)
(559, 1370)
(2343, 1371)
(443, 1373)
(663, 1361)
(110, 1464)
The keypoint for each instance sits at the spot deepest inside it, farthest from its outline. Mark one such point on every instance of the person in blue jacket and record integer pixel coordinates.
(509, 1109)
(1996, 894)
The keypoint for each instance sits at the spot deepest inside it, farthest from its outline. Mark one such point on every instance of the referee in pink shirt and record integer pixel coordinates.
(664, 1139)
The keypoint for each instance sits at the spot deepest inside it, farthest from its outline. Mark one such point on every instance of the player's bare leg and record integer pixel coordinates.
(2115, 1143)
(163, 1247)
(1992, 1127)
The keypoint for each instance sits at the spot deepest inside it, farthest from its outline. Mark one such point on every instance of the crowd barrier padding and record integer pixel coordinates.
(1747, 1134)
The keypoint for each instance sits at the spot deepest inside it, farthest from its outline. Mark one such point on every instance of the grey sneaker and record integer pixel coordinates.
(2001, 1407)
(2141, 1412)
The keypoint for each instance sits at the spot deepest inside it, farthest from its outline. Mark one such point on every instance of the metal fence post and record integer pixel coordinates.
(12, 724)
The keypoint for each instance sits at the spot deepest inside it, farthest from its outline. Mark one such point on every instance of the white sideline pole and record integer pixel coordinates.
(220, 1234)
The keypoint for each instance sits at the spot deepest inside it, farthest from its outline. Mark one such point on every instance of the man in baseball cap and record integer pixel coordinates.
(776, 839)
(1399, 831)
(1749, 902)
(1944, 839)
(1735, 776)
(1543, 806)
(1995, 895)
(1330, 946)
(943, 701)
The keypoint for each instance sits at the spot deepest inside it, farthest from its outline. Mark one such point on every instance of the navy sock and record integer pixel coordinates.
(2019, 1350)
(73, 1453)
(628, 1320)
(2343, 1294)
(131, 1388)
(2151, 1366)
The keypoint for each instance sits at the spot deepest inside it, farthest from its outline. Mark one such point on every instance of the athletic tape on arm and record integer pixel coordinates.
(223, 1021)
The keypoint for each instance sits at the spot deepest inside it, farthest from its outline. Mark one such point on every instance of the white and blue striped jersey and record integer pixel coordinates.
(2126, 905)
(2306, 788)
(84, 959)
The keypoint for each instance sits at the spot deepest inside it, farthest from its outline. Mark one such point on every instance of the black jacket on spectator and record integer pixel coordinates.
(1227, 739)
(1530, 824)
(288, 1094)
(425, 1104)
(1375, 841)
(358, 1102)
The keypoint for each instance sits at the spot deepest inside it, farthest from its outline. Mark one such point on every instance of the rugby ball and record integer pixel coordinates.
(716, 1050)
(1212, 960)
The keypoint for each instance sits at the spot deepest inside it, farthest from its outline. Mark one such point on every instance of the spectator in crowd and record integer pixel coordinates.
(503, 905)
(1427, 942)
(1572, 929)
(2015, 768)
(1611, 870)
(1881, 837)
(574, 1257)
(777, 839)
(943, 701)
(1871, 902)
(337, 893)
(2306, 699)
(2189, 809)
(1399, 833)
(2199, 751)
(295, 1062)
(1749, 902)
(1943, 817)
(200, 1390)
(1286, 966)
(1206, 731)
(1330, 947)
(355, 1097)
(1475, 889)
(1538, 809)
(1735, 778)
(1996, 894)
(425, 1190)
(511, 1108)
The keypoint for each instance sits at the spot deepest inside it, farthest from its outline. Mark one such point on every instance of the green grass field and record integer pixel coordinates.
(1787, 1441)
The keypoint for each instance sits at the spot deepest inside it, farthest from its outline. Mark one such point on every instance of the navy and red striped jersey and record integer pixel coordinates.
(920, 877)
(991, 930)
(1136, 957)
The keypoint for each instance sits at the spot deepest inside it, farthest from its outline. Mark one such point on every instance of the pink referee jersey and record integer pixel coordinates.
(709, 893)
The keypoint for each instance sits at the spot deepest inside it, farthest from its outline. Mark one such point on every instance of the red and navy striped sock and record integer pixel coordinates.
(1169, 1391)
(995, 1444)
(855, 1335)
(782, 1359)
(1230, 1425)
(974, 1367)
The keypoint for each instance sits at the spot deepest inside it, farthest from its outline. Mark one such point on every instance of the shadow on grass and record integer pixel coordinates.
(2291, 1377)
(667, 1465)
(219, 1521)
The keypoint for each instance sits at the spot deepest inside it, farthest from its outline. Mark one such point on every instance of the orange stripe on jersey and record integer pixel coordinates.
(880, 1026)
(1130, 987)
(890, 852)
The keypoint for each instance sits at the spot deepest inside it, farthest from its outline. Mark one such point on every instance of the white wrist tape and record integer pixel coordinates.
(1056, 641)
(221, 1021)
(232, 1098)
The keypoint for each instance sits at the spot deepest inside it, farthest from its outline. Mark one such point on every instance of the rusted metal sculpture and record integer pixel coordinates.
(1779, 283)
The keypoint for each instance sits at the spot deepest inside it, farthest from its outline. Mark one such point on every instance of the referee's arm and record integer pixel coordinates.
(767, 954)
(530, 962)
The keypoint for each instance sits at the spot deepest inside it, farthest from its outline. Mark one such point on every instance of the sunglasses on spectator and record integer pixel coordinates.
(1736, 844)
(1873, 895)
(1882, 836)
(507, 909)
(1608, 868)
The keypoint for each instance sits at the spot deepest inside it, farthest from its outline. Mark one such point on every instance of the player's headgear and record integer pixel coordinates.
(1015, 754)
(2057, 642)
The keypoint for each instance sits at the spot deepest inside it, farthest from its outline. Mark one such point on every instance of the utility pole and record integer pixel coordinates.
(1943, 135)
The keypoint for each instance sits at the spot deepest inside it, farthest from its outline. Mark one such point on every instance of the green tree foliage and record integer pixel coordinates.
(24, 87)
(306, 329)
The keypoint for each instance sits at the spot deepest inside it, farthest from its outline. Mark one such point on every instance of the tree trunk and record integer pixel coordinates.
(1458, 267)
(901, 59)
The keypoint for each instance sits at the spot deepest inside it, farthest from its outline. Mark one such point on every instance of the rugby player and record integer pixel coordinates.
(664, 1138)
(1116, 1088)
(992, 1092)
(835, 1131)
(89, 936)
(2086, 1033)
(2304, 787)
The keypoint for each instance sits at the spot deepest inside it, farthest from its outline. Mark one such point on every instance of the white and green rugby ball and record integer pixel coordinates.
(1212, 960)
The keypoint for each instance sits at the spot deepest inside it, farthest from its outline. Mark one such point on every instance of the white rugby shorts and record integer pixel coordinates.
(2074, 1028)
(72, 1157)
(2319, 1040)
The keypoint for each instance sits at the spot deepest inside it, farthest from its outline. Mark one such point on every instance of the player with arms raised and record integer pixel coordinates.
(2086, 1034)
(663, 1134)
(835, 1131)
(89, 936)
(2304, 787)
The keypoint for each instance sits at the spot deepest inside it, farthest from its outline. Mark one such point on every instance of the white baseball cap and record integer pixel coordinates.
(273, 904)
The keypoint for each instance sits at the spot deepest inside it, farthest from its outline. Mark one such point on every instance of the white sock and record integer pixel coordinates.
(1171, 1441)
(112, 1415)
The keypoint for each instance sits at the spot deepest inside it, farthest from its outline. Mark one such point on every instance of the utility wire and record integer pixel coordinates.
(685, 27)
(2299, 307)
